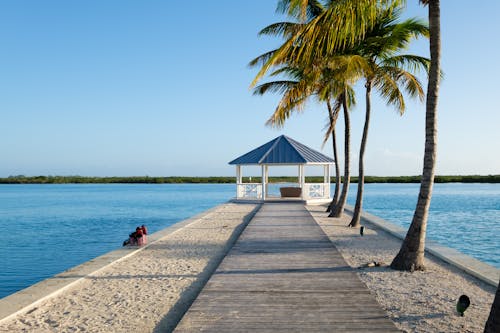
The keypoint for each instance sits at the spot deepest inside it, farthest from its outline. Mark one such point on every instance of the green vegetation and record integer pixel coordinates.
(114, 180)
(495, 179)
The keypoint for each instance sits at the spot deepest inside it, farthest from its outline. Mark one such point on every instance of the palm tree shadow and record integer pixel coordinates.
(410, 318)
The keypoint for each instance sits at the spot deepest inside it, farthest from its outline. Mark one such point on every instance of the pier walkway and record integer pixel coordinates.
(284, 275)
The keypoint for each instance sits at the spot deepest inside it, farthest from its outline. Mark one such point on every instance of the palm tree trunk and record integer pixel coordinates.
(493, 322)
(339, 209)
(333, 119)
(356, 217)
(411, 254)
(336, 194)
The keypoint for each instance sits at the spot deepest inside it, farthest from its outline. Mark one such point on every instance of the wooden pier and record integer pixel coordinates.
(284, 275)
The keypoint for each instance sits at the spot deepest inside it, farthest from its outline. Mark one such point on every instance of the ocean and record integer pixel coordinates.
(50, 228)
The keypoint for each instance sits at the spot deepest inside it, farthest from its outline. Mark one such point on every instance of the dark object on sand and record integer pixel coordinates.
(373, 264)
(462, 304)
(361, 230)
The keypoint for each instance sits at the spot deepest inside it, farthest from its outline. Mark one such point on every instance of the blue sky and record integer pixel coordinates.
(161, 88)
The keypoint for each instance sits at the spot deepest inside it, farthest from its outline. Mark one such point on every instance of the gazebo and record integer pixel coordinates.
(283, 151)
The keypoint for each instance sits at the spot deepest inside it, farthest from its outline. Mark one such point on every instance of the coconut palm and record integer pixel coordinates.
(338, 208)
(347, 72)
(330, 32)
(387, 74)
(323, 83)
(411, 255)
(333, 114)
(341, 25)
(307, 13)
(335, 79)
(295, 92)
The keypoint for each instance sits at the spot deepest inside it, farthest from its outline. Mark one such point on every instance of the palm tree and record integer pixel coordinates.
(338, 209)
(325, 84)
(411, 255)
(341, 25)
(333, 114)
(493, 322)
(345, 76)
(285, 107)
(318, 81)
(387, 73)
(329, 33)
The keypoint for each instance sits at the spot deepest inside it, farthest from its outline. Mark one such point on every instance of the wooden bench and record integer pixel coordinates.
(290, 192)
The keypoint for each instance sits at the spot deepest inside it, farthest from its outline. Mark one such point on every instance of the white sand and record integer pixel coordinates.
(148, 291)
(142, 293)
(416, 302)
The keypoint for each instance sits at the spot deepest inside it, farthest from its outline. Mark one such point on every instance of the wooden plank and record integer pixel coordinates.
(284, 275)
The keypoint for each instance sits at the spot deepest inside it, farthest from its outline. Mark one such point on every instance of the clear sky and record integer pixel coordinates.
(161, 88)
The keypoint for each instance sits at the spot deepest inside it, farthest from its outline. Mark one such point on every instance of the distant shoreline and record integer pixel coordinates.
(491, 179)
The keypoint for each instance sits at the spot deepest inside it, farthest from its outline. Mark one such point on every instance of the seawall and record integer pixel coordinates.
(472, 266)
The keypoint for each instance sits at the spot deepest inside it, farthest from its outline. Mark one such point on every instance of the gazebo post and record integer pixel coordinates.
(238, 181)
(326, 181)
(238, 174)
(267, 179)
(302, 180)
(264, 181)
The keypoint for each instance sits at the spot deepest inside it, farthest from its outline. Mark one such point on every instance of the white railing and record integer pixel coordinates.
(309, 191)
(249, 191)
(316, 191)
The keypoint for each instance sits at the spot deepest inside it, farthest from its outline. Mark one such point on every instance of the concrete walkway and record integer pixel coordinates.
(284, 275)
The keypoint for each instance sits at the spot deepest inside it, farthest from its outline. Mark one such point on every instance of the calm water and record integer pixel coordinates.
(54, 227)
(50, 228)
(462, 216)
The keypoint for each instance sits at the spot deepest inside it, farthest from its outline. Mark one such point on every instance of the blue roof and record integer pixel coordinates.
(282, 150)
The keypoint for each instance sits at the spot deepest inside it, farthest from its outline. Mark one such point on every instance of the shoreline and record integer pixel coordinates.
(439, 179)
(185, 279)
(477, 268)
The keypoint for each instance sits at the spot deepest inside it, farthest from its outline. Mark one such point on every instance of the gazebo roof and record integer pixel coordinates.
(283, 150)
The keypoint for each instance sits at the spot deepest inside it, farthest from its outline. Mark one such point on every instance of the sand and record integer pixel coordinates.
(149, 291)
(418, 301)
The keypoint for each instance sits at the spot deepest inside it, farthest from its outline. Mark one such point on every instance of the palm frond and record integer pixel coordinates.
(411, 63)
(281, 29)
(274, 87)
(389, 90)
(262, 59)
(291, 72)
(333, 113)
(300, 9)
(412, 86)
(350, 97)
(283, 111)
(340, 26)
(293, 100)
(402, 33)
